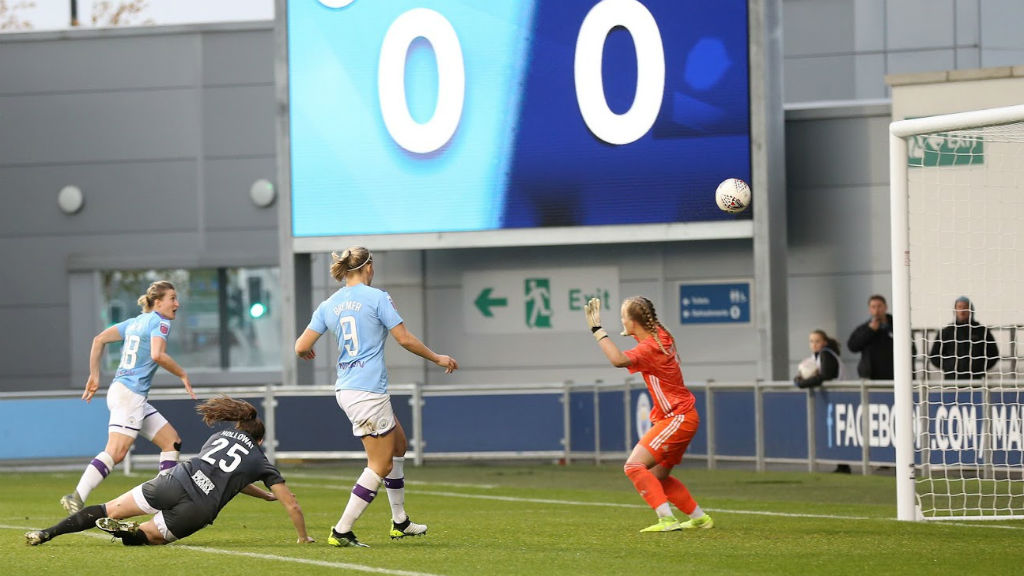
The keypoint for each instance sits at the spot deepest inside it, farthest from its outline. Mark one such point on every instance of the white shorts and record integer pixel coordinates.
(158, 518)
(370, 413)
(130, 413)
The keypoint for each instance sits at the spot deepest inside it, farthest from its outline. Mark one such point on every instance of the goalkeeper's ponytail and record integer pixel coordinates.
(641, 310)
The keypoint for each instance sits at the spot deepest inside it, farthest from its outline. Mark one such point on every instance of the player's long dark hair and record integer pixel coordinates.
(225, 409)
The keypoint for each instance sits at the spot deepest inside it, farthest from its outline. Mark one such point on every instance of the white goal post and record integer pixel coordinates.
(957, 218)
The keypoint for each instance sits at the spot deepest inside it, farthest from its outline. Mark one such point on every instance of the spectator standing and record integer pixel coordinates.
(965, 349)
(873, 340)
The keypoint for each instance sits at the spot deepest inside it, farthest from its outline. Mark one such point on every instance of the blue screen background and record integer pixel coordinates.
(522, 155)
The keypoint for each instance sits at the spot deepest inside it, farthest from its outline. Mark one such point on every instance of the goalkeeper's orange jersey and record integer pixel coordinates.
(663, 376)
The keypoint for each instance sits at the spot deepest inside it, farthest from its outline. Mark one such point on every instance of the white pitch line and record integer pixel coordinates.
(644, 506)
(407, 482)
(221, 551)
(344, 565)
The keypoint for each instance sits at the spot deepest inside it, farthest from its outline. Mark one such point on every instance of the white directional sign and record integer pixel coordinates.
(538, 300)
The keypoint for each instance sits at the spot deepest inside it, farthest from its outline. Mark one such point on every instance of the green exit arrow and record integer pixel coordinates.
(484, 302)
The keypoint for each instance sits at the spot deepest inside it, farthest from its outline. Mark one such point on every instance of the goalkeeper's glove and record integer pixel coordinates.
(593, 312)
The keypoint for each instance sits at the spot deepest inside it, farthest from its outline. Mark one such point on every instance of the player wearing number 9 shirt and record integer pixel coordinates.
(361, 318)
(194, 492)
(144, 348)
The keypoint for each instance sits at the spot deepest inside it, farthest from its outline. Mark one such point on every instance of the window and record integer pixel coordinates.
(227, 320)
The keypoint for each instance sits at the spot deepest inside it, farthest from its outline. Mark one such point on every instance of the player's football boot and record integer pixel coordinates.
(703, 523)
(407, 528)
(72, 503)
(36, 537)
(665, 524)
(343, 540)
(117, 528)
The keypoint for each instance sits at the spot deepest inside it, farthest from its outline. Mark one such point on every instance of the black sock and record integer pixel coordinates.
(138, 538)
(82, 520)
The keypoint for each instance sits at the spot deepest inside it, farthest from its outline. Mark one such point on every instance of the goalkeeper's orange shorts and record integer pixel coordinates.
(668, 438)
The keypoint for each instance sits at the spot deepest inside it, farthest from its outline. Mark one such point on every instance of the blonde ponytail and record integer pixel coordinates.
(155, 292)
(352, 259)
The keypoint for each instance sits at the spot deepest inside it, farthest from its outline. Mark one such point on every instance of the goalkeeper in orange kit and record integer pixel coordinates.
(673, 415)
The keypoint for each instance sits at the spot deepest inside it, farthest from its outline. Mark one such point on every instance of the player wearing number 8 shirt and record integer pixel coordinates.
(361, 318)
(194, 492)
(144, 348)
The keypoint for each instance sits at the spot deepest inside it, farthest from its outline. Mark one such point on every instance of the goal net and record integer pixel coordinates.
(958, 276)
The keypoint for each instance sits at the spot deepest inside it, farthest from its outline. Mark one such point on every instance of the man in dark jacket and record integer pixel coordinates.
(873, 339)
(965, 349)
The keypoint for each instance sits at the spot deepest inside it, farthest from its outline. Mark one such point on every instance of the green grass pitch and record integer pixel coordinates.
(496, 519)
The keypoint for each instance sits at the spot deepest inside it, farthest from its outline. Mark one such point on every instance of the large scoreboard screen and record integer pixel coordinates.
(462, 116)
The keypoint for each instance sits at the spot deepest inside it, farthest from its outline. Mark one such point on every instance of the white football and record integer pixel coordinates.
(733, 195)
(807, 368)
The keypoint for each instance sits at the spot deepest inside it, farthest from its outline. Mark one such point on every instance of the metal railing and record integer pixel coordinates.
(418, 395)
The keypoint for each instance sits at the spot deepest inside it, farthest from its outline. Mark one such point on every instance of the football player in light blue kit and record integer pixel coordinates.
(145, 348)
(361, 318)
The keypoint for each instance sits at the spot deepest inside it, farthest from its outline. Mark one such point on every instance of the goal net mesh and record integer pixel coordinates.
(966, 238)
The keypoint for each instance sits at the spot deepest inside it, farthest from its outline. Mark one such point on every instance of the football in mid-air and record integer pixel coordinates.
(733, 195)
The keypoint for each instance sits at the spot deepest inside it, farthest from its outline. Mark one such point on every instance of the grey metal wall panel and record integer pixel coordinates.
(920, 61)
(101, 64)
(839, 152)
(968, 21)
(239, 248)
(139, 197)
(919, 24)
(842, 49)
(991, 57)
(84, 298)
(812, 78)
(1000, 25)
(400, 268)
(707, 260)
(815, 27)
(33, 275)
(38, 382)
(238, 121)
(238, 57)
(967, 58)
(826, 240)
(409, 302)
(226, 193)
(35, 346)
(869, 25)
(133, 251)
(867, 69)
(98, 127)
